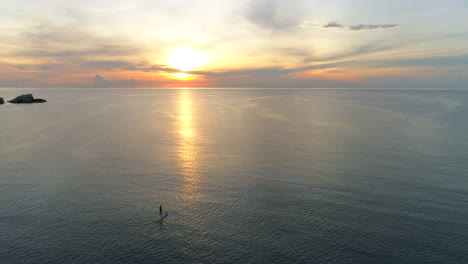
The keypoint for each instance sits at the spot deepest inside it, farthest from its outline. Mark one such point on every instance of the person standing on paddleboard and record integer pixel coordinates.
(160, 211)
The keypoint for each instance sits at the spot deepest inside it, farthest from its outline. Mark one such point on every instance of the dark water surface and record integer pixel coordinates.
(248, 176)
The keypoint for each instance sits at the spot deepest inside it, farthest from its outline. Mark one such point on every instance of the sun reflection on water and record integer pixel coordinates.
(187, 151)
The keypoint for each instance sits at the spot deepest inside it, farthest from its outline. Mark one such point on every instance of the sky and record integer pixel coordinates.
(242, 43)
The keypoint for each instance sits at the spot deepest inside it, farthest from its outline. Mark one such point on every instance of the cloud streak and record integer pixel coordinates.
(101, 81)
(116, 65)
(334, 24)
(271, 71)
(372, 27)
(454, 60)
(274, 14)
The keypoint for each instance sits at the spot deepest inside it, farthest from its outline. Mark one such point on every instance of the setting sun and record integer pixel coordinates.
(186, 59)
(181, 75)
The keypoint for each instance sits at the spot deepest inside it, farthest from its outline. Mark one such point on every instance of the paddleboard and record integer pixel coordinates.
(165, 214)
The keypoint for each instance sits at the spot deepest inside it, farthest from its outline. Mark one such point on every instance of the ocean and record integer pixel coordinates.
(247, 176)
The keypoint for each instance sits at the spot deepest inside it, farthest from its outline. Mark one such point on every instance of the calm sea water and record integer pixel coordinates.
(248, 176)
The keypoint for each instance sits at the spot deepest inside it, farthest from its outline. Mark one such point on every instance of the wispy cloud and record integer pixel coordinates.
(334, 24)
(116, 65)
(366, 49)
(49, 40)
(343, 53)
(271, 71)
(274, 14)
(438, 61)
(101, 81)
(371, 27)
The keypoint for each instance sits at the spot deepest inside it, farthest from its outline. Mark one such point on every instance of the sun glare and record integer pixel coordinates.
(181, 75)
(186, 59)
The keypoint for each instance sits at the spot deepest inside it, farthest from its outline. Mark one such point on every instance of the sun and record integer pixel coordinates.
(182, 75)
(186, 59)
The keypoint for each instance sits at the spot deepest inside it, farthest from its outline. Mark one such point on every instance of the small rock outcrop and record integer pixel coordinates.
(39, 100)
(1, 100)
(26, 99)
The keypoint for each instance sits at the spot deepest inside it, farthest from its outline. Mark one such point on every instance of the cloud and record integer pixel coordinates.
(109, 65)
(274, 14)
(114, 65)
(334, 24)
(101, 81)
(279, 82)
(279, 78)
(49, 41)
(452, 60)
(361, 50)
(403, 81)
(73, 52)
(271, 71)
(306, 56)
(77, 66)
(371, 27)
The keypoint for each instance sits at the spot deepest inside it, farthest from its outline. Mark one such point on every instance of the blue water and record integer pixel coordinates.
(248, 176)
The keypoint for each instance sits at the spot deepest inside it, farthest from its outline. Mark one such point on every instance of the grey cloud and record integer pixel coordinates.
(334, 24)
(51, 41)
(103, 65)
(272, 71)
(439, 61)
(297, 52)
(101, 81)
(404, 82)
(308, 57)
(279, 77)
(394, 81)
(454, 60)
(7, 82)
(274, 14)
(111, 65)
(371, 27)
(279, 82)
(361, 50)
(75, 52)
(246, 72)
(98, 79)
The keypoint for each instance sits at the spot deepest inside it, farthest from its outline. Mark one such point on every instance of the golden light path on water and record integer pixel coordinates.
(187, 151)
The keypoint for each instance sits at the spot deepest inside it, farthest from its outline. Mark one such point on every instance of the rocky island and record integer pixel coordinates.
(26, 99)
